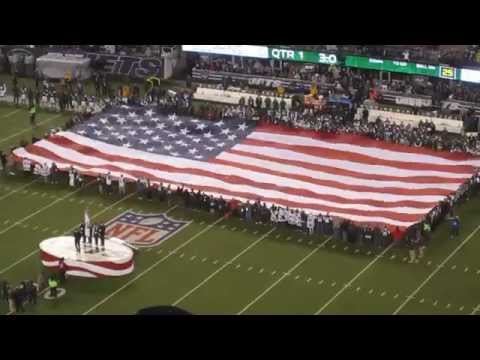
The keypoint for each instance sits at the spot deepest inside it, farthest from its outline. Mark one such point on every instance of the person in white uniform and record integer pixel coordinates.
(71, 177)
(121, 186)
(311, 223)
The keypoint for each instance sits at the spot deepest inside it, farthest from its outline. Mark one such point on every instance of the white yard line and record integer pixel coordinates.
(16, 190)
(11, 113)
(41, 209)
(223, 267)
(293, 268)
(475, 310)
(152, 266)
(437, 269)
(30, 129)
(347, 285)
(69, 230)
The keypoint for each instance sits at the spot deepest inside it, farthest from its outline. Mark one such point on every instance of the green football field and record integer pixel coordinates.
(219, 266)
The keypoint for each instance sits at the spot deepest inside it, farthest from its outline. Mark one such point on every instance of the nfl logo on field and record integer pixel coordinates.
(143, 230)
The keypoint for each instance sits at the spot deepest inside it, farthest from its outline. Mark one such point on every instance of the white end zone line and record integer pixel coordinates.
(17, 190)
(223, 266)
(347, 285)
(154, 265)
(283, 276)
(437, 269)
(69, 230)
(30, 129)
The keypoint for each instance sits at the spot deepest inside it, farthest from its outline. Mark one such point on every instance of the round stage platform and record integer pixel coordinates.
(116, 259)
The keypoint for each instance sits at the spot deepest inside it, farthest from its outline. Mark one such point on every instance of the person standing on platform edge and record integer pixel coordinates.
(77, 237)
(83, 232)
(102, 229)
(90, 233)
(96, 234)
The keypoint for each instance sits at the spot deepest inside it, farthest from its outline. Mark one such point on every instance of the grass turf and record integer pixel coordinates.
(230, 267)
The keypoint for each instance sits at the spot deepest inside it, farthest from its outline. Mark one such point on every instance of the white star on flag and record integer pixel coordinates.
(201, 126)
(161, 126)
(121, 121)
(103, 120)
(219, 123)
(190, 136)
(172, 117)
(144, 141)
(156, 138)
(198, 157)
(109, 128)
(121, 137)
(115, 133)
(151, 149)
(149, 112)
(168, 147)
(226, 131)
(173, 135)
(132, 132)
(209, 148)
(125, 107)
(184, 145)
(127, 145)
(194, 121)
(196, 140)
(144, 128)
(214, 139)
(242, 127)
(193, 151)
(177, 123)
(98, 132)
(221, 144)
(138, 121)
(149, 132)
(232, 137)
(179, 142)
(132, 114)
(174, 154)
(208, 135)
(92, 125)
(184, 131)
(155, 119)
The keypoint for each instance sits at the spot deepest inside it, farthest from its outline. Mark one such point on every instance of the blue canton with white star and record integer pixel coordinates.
(145, 129)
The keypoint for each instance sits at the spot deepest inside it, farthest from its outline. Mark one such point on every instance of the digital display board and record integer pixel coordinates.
(470, 75)
(254, 51)
(302, 56)
(392, 65)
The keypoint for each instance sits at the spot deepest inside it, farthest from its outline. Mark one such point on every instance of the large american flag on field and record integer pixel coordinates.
(348, 176)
